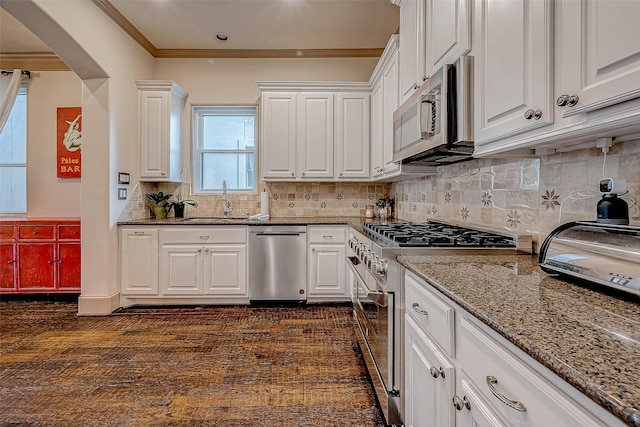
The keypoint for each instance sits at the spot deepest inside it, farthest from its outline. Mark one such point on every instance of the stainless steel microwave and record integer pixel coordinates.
(435, 125)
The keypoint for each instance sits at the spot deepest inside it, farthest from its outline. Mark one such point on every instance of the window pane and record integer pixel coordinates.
(13, 187)
(228, 132)
(235, 168)
(13, 138)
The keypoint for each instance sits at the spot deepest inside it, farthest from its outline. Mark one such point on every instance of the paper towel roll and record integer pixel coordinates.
(264, 203)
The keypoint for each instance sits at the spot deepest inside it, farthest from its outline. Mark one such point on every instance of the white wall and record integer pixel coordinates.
(48, 195)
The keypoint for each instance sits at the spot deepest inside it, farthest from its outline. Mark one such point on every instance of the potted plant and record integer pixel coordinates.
(178, 205)
(159, 204)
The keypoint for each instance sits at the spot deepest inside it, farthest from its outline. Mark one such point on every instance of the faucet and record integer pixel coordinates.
(226, 206)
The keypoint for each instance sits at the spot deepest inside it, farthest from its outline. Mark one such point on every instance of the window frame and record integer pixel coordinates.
(22, 91)
(197, 150)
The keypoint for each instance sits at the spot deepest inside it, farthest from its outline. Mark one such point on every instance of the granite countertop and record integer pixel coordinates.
(589, 338)
(245, 221)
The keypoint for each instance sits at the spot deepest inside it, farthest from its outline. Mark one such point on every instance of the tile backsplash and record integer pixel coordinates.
(533, 195)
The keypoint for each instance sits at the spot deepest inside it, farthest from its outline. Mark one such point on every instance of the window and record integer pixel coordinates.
(13, 158)
(224, 148)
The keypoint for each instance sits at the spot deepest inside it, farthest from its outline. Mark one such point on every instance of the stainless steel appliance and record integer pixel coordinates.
(277, 263)
(435, 125)
(604, 254)
(378, 290)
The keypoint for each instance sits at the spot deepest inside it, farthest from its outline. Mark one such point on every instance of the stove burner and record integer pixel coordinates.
(433, 234)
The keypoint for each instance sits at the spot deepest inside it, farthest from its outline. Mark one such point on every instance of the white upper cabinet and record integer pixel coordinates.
(160, 106)
(352, 138)
(599, 53)
(448, 32)
(513, 68)
(278, 124)
(315, 135)
(412, 42)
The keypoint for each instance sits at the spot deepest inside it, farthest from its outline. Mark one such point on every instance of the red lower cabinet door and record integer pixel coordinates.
(36, 270)
(69, 267)
(7, 268)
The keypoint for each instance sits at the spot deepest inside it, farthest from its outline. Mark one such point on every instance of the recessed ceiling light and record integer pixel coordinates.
(222, 37)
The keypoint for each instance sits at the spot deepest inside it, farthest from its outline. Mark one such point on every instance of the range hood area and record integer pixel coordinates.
(435, 125)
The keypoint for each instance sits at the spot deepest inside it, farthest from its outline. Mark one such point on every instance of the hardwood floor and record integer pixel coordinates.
(214, 366)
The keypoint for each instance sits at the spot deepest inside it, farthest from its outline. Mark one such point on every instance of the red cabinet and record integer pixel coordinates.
(40, 256)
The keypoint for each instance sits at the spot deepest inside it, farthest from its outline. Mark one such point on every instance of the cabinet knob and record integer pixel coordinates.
(415, 86)
(11, 262)
(459, 404)
(566, 100)
(49, 262)
(435, 372)
(304, 173)
(162, 173)
(59, 261)
(531, 114)
(513, 404)
(293, 174)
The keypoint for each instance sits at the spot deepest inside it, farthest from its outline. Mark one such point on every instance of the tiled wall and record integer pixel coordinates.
(531, 195)
(286, 199)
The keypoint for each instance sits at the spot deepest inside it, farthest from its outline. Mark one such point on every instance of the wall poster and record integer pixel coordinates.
(69, 135)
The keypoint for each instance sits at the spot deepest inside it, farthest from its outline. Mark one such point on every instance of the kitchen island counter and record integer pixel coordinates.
(589, 338)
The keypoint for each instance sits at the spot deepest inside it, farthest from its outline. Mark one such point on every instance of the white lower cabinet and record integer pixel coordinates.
(327, 278)
(139, 261)
(487, 381)
(429, 380)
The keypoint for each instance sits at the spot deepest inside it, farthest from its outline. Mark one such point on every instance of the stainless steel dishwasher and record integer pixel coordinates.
(278, 263)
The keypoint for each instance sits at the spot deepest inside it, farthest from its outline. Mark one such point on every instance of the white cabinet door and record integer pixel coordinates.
(377, 129)
(412, 44)
(598, 52)
(315, 135)
(181, 270)
(225, 270)
(448, 32)
(352, 139)
(391, 98)
(429, 381)
(327, 271)
(513, 68)
(278, 123)
(139, 261)
(160, 106)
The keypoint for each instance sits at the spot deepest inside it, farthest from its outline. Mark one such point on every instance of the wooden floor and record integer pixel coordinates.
(214, 366)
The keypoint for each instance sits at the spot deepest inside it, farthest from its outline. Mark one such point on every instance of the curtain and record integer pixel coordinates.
(9, 87)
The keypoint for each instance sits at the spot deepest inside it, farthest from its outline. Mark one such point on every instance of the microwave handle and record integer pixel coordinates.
(429, 129)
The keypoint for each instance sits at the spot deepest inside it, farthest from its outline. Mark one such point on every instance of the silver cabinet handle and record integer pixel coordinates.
(518, 406)
(417, 309)
(435, 372)
(204, 237)
(531, 114)
(566, 100)
(459, 404)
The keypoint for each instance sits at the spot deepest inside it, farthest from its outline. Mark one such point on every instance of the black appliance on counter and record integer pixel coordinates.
(378, 289)
(603, 254)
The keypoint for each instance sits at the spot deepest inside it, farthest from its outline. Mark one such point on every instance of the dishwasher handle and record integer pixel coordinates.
(266, 233)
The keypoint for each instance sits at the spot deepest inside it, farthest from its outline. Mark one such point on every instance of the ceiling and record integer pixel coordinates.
(255, 28)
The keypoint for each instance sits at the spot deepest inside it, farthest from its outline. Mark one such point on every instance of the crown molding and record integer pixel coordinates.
(126, 25)
(41, 61)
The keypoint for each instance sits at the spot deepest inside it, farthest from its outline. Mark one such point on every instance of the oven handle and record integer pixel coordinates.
(379, 298)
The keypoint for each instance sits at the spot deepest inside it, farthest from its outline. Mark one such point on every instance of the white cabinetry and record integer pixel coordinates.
(139, 261)
(278, 124)
(513, 68)
(327, 276)
(448, 32)
(160, 106)
(468, 375)
(204, 261)
(352, 138)
(412, 46)
(315, 131)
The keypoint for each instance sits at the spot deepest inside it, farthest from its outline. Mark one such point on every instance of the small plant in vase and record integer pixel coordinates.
(159, 204)
(178, 205)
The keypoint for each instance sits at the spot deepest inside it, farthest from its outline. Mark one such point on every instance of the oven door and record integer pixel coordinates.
(373, 308)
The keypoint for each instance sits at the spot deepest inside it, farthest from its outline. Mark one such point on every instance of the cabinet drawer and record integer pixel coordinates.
(39, 232)
(7, 232)
(486, 361)
(208, 235)
(433, 315)
(326, 234)
(68, 232)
